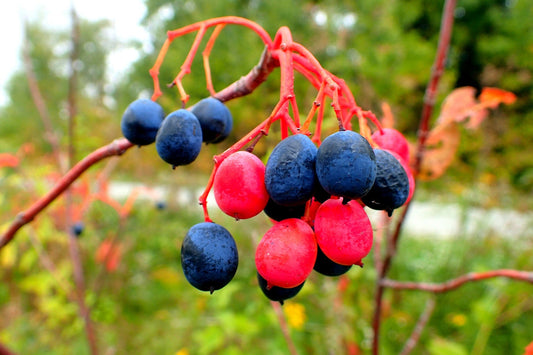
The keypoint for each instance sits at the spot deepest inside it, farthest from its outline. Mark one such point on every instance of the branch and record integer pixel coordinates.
(450, 285)
(429, 102)
(420, 325)
(117, 147)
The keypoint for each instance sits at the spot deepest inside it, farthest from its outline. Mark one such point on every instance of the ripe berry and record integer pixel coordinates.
(215, 119)
(328, 267)
(343, 231)
(77, 228)
(209, 256)
(290, 170)
(275, 293)
(392, 139)
(141, 120)
(410, 176)
(346, 165)
(286, 254)
(179, 139)
(239, 185)
(280, 212)
(391, 188)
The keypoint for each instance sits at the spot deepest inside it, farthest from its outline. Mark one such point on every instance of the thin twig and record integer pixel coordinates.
(40, 104)
(419, 327)
(74, 248)
(117, 147)
(429, 103)
(450, 285)
(284, 328)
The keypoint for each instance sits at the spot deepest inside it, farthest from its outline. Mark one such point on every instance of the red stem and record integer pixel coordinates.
(117, 147)
(450, 285)
(429, 102)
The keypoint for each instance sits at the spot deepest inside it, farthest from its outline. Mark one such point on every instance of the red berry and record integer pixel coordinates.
(343, 231)
(392, 139)
(239, 185)
(286, 254)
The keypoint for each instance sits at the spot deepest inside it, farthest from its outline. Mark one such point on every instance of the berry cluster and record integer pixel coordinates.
(315, 192)
(315, 196)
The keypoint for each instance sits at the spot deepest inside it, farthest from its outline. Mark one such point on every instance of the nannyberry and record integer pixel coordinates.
(179, 139)
(141, 121)
(290, 170)
(215, 119)
(209, 256)
(346, 165)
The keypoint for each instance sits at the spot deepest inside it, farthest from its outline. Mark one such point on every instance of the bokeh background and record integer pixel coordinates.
(142, 304)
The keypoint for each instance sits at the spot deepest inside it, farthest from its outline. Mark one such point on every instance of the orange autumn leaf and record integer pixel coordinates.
(461, 104)
(492, 97)
(8, 160)
(441, 146)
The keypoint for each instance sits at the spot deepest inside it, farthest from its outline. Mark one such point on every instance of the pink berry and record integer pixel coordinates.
(392, 139)
(343, 231)
(239, 185)
(287, 253)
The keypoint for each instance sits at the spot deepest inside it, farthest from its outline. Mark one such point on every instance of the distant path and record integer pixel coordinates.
(424, 219)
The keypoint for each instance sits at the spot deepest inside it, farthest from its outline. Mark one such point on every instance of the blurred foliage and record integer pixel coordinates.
(384, 50)
(146, 306)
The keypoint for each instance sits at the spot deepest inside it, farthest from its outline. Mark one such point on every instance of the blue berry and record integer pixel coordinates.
(290, 170)
(346, 165)
(280, 212)
(77, 228)
(141, 121)
(179, 138)
(215, 119)
(209, 256)
(328, 267)
(276, 293)
(391, 187)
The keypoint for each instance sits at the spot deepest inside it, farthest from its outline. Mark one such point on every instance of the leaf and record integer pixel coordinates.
(441, 146)
(457, 106)
(440, 346)
(492, 97)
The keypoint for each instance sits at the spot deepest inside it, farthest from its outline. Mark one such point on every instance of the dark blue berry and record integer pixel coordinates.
(278, 294)
(280, 212)
(391, 187)
(141, 121)
(209, 256)
(290, 170)
(215, 119)
(179, 138)
(328, 267)
(77, 228)
(346, 165)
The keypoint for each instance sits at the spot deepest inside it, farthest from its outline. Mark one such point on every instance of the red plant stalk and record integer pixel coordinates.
(429, 102)
(117, 147)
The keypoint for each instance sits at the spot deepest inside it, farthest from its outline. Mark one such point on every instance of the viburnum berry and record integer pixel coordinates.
(392, 139)
(209, 256)
(343, 231)
(290, 170)
(141, 121)
(215, 119)
(239, 186)
(286, 254)
(391, 188)
(346, 165)
(275, 293)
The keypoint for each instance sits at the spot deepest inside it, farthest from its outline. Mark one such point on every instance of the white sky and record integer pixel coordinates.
(124, 15)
